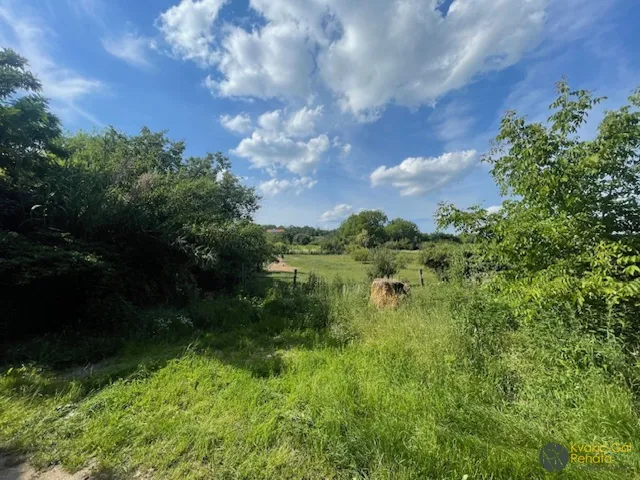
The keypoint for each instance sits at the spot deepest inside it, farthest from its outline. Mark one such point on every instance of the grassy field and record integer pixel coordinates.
(330, 266)
(313, 384)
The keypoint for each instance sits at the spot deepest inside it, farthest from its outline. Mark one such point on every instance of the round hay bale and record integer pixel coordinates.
(387, 292)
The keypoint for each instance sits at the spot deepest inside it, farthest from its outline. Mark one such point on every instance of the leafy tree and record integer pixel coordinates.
(571, 228)
(302, 239)
(399, 229)
(370, 221)
(28, 130)
(332, 245)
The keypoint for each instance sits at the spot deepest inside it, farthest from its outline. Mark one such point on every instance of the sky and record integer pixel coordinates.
(328, 107)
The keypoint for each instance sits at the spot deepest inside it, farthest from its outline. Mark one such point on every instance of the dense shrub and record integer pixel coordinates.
(383, 263)
(569, 234)
(454, 261)
(358, 253)
(332, 245)
(102, 216)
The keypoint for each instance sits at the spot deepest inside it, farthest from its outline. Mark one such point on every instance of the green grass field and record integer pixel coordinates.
(330, 266)
(314, 385)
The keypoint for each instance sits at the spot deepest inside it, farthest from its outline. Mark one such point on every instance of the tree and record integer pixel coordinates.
(28, 130)
(571, 228)
(301, 239)
(399, 229)
(370, 221)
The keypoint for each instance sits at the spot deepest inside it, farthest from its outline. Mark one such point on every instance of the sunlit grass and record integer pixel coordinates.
(389, 394)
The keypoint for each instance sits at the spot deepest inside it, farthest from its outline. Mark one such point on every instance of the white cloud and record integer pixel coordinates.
(30, 39)
(494, 208)
(188, 29)
(370, 53)
(131, 48)
(337, 213)
(303, 122)
(269, 151)
(241, 123)
(286, 140)
(274, 61)
(273, 187)
(416, 176)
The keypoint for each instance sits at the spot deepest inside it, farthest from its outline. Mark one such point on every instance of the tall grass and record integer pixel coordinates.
(315, 383)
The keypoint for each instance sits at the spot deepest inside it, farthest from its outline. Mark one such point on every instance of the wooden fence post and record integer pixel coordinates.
(295, 275)
(421, 279)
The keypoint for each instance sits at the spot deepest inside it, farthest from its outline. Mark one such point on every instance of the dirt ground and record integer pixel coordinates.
(280, 266)
(17, 468)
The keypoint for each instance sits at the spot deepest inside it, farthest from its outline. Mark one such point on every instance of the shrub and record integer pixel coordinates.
(359, 254)
(332, 245)
(383, 263)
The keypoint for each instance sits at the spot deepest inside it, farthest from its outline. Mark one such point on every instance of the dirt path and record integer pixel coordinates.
(280, 266)
(17, 468)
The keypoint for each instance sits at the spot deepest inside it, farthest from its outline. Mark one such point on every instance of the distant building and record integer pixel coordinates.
(275, 230)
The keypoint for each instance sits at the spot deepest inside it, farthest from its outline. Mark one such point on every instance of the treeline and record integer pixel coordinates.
(94, 225)
(367, 229)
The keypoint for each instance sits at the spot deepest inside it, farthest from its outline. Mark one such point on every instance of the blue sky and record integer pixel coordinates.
(326, 106)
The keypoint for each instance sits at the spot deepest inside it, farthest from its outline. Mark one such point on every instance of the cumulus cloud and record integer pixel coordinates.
(133, 49)
(337, 213)
(188, 29)
(494, 208)
(29, 37)
(240, 123)
(368, 53)
(273, 187)
(274, 61)
(286, 140)
(420, 175)
(268, 151)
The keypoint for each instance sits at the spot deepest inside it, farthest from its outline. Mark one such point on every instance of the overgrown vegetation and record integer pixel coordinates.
(526, 331)
(96, 224)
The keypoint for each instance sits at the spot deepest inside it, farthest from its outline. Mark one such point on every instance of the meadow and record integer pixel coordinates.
(345, 267)
(314, 383)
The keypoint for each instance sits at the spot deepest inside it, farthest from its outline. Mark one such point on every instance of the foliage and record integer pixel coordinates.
(366, 227)
(28, 130)
(358, 253)
(441, 236)
(569, 233)
(451, 261)
(332, 245)
(400, 230)
(302, 239)
(383, 263)
(134, 203)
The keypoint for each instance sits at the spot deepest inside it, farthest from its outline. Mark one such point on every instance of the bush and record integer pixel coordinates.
(383, 263)
(332, 245)
(301, 239)
(359, 254)
(402, 244)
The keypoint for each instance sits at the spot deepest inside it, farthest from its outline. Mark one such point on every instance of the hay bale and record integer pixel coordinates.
(388, 292)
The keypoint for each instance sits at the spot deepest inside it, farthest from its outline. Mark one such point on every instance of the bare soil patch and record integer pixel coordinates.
(280, 266)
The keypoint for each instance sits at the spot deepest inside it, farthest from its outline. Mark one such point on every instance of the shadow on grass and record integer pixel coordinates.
(244, 331)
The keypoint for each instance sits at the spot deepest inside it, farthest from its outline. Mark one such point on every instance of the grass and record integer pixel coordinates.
(314, 385)
(330, 266)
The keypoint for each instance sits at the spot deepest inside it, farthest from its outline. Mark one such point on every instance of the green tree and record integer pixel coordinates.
(571, 228)
(28, 130)
(399, 229)
(370, 221)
